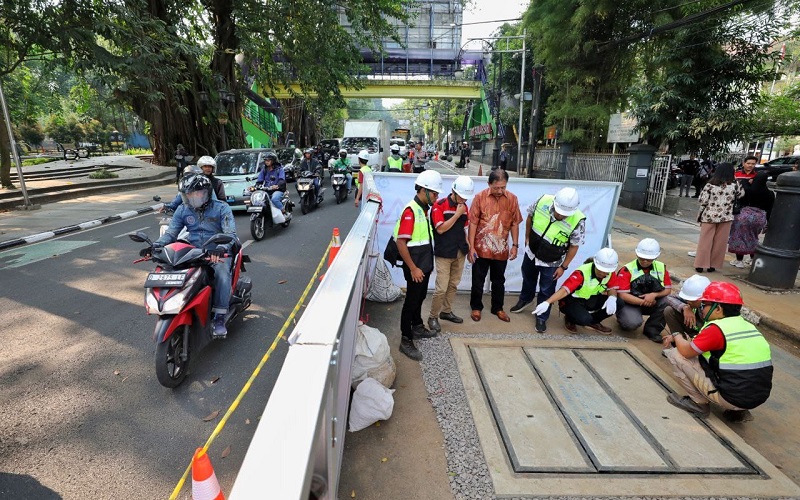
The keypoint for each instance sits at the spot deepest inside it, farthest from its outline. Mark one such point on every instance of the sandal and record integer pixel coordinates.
(475, 315)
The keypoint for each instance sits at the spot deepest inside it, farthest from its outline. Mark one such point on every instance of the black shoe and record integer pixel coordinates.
(541, 325)
(698, 269)
(737, 416)
(433, 324)
(656, 338)
(711, 269)
(408, 348)
(520, 306)
(420, 332)
(451, 317)
(686, 403)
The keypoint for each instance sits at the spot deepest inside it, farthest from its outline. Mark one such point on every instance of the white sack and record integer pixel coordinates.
(372, 357)
(371, 402)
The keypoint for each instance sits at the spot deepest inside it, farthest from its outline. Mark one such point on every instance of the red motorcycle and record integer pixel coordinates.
(180, 292)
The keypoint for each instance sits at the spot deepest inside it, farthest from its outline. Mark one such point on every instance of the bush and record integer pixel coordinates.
(137, 151)
(103, 174)
(36, 161)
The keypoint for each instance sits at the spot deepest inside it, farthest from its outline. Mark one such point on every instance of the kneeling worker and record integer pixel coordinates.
(728, 362)
(683, 312)
(589, 295)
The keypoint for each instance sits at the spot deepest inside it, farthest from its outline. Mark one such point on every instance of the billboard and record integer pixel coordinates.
(622, 128)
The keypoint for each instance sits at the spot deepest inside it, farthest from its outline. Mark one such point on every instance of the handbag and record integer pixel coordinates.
(391, 254)
(737, 207)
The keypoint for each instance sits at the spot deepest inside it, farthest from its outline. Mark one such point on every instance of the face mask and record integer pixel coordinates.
(196, 199)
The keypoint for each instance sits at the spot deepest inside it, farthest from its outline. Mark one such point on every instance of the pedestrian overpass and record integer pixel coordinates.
(401, 89)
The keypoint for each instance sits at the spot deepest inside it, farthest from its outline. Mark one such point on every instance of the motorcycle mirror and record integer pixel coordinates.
(140, 237)
(219, 239)
(156, 198)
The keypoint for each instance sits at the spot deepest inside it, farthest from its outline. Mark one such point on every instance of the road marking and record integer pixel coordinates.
(28, 254)
(132, 232)
(246, 244)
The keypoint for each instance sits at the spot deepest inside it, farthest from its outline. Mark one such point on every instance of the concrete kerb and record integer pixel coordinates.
(35, 238)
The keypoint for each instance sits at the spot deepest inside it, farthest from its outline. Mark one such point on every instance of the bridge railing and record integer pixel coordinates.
(296, 451)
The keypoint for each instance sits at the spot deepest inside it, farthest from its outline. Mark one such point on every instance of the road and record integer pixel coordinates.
(83, 415)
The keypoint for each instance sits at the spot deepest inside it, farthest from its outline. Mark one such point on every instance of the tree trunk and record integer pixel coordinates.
(5, 155)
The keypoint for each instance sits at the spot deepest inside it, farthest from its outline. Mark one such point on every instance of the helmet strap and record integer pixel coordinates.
(710, 312)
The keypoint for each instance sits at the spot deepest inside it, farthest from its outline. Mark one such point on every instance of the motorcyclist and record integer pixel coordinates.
(205, 166)
(395, 162)
(203, 216)
(342, 166)
(363, 158)
(272, 177)
(311, 164)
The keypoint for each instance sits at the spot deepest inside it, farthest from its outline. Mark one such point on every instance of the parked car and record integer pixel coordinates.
(234, 168)
(778, 166)
(290, 162)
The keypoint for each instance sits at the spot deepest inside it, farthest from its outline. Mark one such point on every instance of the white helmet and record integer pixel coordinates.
(431, 180)
(648, 248)
(606, 260)
(207, 160)
(342, 151)
(693, 287)
(395, 148)
(363, 155)
(464, 187)
(566, 201)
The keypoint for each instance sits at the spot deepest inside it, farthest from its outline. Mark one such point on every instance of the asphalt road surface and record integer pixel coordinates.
(82, 414)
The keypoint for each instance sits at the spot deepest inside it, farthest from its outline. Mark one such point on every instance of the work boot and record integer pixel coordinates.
(451, 317)
(737, 416)
(541, 325)
(218, 329)
(433, 324)
(420, 332)
(686, 403)
(408, 348)
(520, 306)
(599, 327)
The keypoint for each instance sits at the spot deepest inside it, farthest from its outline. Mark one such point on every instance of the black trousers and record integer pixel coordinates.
(497, 276)
(411, 314)
(584, 311)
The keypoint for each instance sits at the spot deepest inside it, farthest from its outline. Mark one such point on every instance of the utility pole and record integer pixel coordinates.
(534, 119)
(521, 102)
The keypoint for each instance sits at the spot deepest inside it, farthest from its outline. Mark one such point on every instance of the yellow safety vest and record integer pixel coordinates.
(550, 240)
(591, 285)
(420, 246)
(364, 170)
(395, 164)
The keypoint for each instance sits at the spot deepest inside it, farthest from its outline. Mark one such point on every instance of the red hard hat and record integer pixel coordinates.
(722, 293)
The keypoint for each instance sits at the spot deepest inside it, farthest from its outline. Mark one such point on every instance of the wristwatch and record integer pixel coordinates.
(515, 245)
(562, 267)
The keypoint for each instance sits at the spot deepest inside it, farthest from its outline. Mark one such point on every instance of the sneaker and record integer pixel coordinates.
(451, 317)
(691, 254)
(747, 260)
(686, 403)
(408, 348)
(737, 263)
(737, 416)
(541, 325)
(218, 327)
(571, 328)
(520, 306)
(420, 332)
(433, 324)
(599, 327)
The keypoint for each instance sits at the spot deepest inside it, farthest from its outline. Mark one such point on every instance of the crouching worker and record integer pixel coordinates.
(728, 362)
(589, 295)
(644, 285)
(683, 312)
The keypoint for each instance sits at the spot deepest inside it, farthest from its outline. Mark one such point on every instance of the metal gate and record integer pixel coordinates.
(657, 183)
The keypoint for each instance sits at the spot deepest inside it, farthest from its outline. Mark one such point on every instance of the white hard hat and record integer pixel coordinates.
(206, 160)
(566, 201)
(430, 179)
(464, 187)
(394, 147)
(363, 155)
(693, 287)
(606, 260)
(648, 248)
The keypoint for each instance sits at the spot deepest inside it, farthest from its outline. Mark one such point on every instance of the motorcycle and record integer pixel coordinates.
(310, 194)
(256, 207)
(179, 291)
(339, 182)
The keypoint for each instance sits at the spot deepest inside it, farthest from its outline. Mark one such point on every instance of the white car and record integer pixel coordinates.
(238, 169)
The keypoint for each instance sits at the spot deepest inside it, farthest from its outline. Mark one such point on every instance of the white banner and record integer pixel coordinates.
(598, 203)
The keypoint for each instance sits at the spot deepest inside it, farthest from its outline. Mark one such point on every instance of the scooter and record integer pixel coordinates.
(257, 208)
(179, 291)
(339, 182)
(310, 198)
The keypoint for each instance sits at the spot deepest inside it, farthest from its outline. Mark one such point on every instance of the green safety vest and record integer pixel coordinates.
(658, 270)
(742, 371)
(395, 164)
(551, 239)
(420, 246)
(591, 285)
(364, 170)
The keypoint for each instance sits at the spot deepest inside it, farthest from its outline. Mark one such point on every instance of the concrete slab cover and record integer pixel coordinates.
(590, 418)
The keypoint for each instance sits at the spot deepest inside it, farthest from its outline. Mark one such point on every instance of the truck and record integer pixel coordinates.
(400, 137)
(371, 135)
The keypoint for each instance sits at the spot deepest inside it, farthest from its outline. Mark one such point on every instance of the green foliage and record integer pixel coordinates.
(31, 133)
(37, 161)
(778, 114)
(137, 151)
(103, 174)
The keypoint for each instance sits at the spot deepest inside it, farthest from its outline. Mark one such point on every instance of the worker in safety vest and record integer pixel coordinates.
(363, 158)
(728, 362)
(644, 285)
(683, 313)
(414, 238)
(395, 162)
(589, 295)
(554, 229)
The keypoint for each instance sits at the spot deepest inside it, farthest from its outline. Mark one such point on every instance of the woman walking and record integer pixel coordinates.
(715, 217)
(747, 225)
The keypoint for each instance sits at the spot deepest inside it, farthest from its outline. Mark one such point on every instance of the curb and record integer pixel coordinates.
(76, 227)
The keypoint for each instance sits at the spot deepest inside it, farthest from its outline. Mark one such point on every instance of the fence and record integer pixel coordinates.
(657, 183)
(547, 159)
(296, 451)
(597, 167)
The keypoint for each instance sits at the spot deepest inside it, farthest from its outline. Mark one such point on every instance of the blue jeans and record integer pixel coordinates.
(276, 198)
(531, 274)
(222, 286)
(349, 181)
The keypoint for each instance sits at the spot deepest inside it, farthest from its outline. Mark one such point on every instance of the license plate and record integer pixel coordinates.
(165, 280)
(230, 199)
(255, 209)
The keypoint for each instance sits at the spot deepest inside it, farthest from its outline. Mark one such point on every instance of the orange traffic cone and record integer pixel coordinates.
(480, 169)
(204, 482)
(335, 246)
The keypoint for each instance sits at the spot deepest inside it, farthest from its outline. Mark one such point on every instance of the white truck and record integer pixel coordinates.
(371, 135)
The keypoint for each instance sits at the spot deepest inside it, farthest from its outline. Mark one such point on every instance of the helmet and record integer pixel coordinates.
(566, 201)
(606, 260)
(693, 287)
(395, 148)
(648, 248)
(309, 151)
(464, 187)
(195, 190)
(722, 293)
(431, 180)
(363, 155)
(342, 152)
(192, 169)
(271, 156)
(207, 160)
